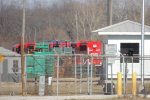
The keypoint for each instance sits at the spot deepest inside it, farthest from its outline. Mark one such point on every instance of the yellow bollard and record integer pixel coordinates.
(119, 84)
(134, 84)
(2, 58)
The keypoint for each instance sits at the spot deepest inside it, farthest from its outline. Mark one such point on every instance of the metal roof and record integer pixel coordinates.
(125, 26)
(7, 52)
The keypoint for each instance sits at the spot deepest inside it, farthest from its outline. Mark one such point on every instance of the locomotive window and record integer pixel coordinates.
(83, 48)
(31, 47)
(129, 50)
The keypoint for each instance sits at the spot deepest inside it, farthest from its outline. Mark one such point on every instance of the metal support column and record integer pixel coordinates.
(142, 44)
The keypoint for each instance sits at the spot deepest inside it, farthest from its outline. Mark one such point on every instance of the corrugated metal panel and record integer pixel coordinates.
(58, 50)
(43, 46)
(67, 50)
(41, 63)
(49, 64)
(30, 66)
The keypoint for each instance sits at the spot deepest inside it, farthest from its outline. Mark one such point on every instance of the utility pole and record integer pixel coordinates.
(142, 45)
(109, 12)
(22, 51)
(109, 22)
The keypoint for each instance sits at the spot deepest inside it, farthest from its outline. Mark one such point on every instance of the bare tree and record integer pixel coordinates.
(126, 10)
(68, 19)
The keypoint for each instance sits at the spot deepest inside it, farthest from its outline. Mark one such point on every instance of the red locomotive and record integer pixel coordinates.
(29, 47)
(93, 48)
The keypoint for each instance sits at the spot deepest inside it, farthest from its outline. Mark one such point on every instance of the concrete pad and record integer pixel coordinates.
(57, 97)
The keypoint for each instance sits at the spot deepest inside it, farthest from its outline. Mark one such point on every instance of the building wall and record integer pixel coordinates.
(7, 74)
(136, 66)
(10, 64)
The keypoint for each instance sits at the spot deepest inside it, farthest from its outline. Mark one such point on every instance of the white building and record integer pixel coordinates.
(10, 68)
(127, 36)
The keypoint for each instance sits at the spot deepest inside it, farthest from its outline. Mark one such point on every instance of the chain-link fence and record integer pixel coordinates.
(71, 74)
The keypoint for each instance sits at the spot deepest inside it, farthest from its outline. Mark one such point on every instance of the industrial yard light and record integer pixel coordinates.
(22, 50)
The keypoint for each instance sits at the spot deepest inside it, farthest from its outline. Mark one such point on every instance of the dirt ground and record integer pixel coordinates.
(65, 87)
(68, 87)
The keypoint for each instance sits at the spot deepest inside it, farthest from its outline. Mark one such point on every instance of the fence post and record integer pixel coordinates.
(106, 73)
(81, 75)
(119, 84)
(75, 74)
(134, 84)
(57, 74)
(88, 76)
(91, 76)
(111, 79)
